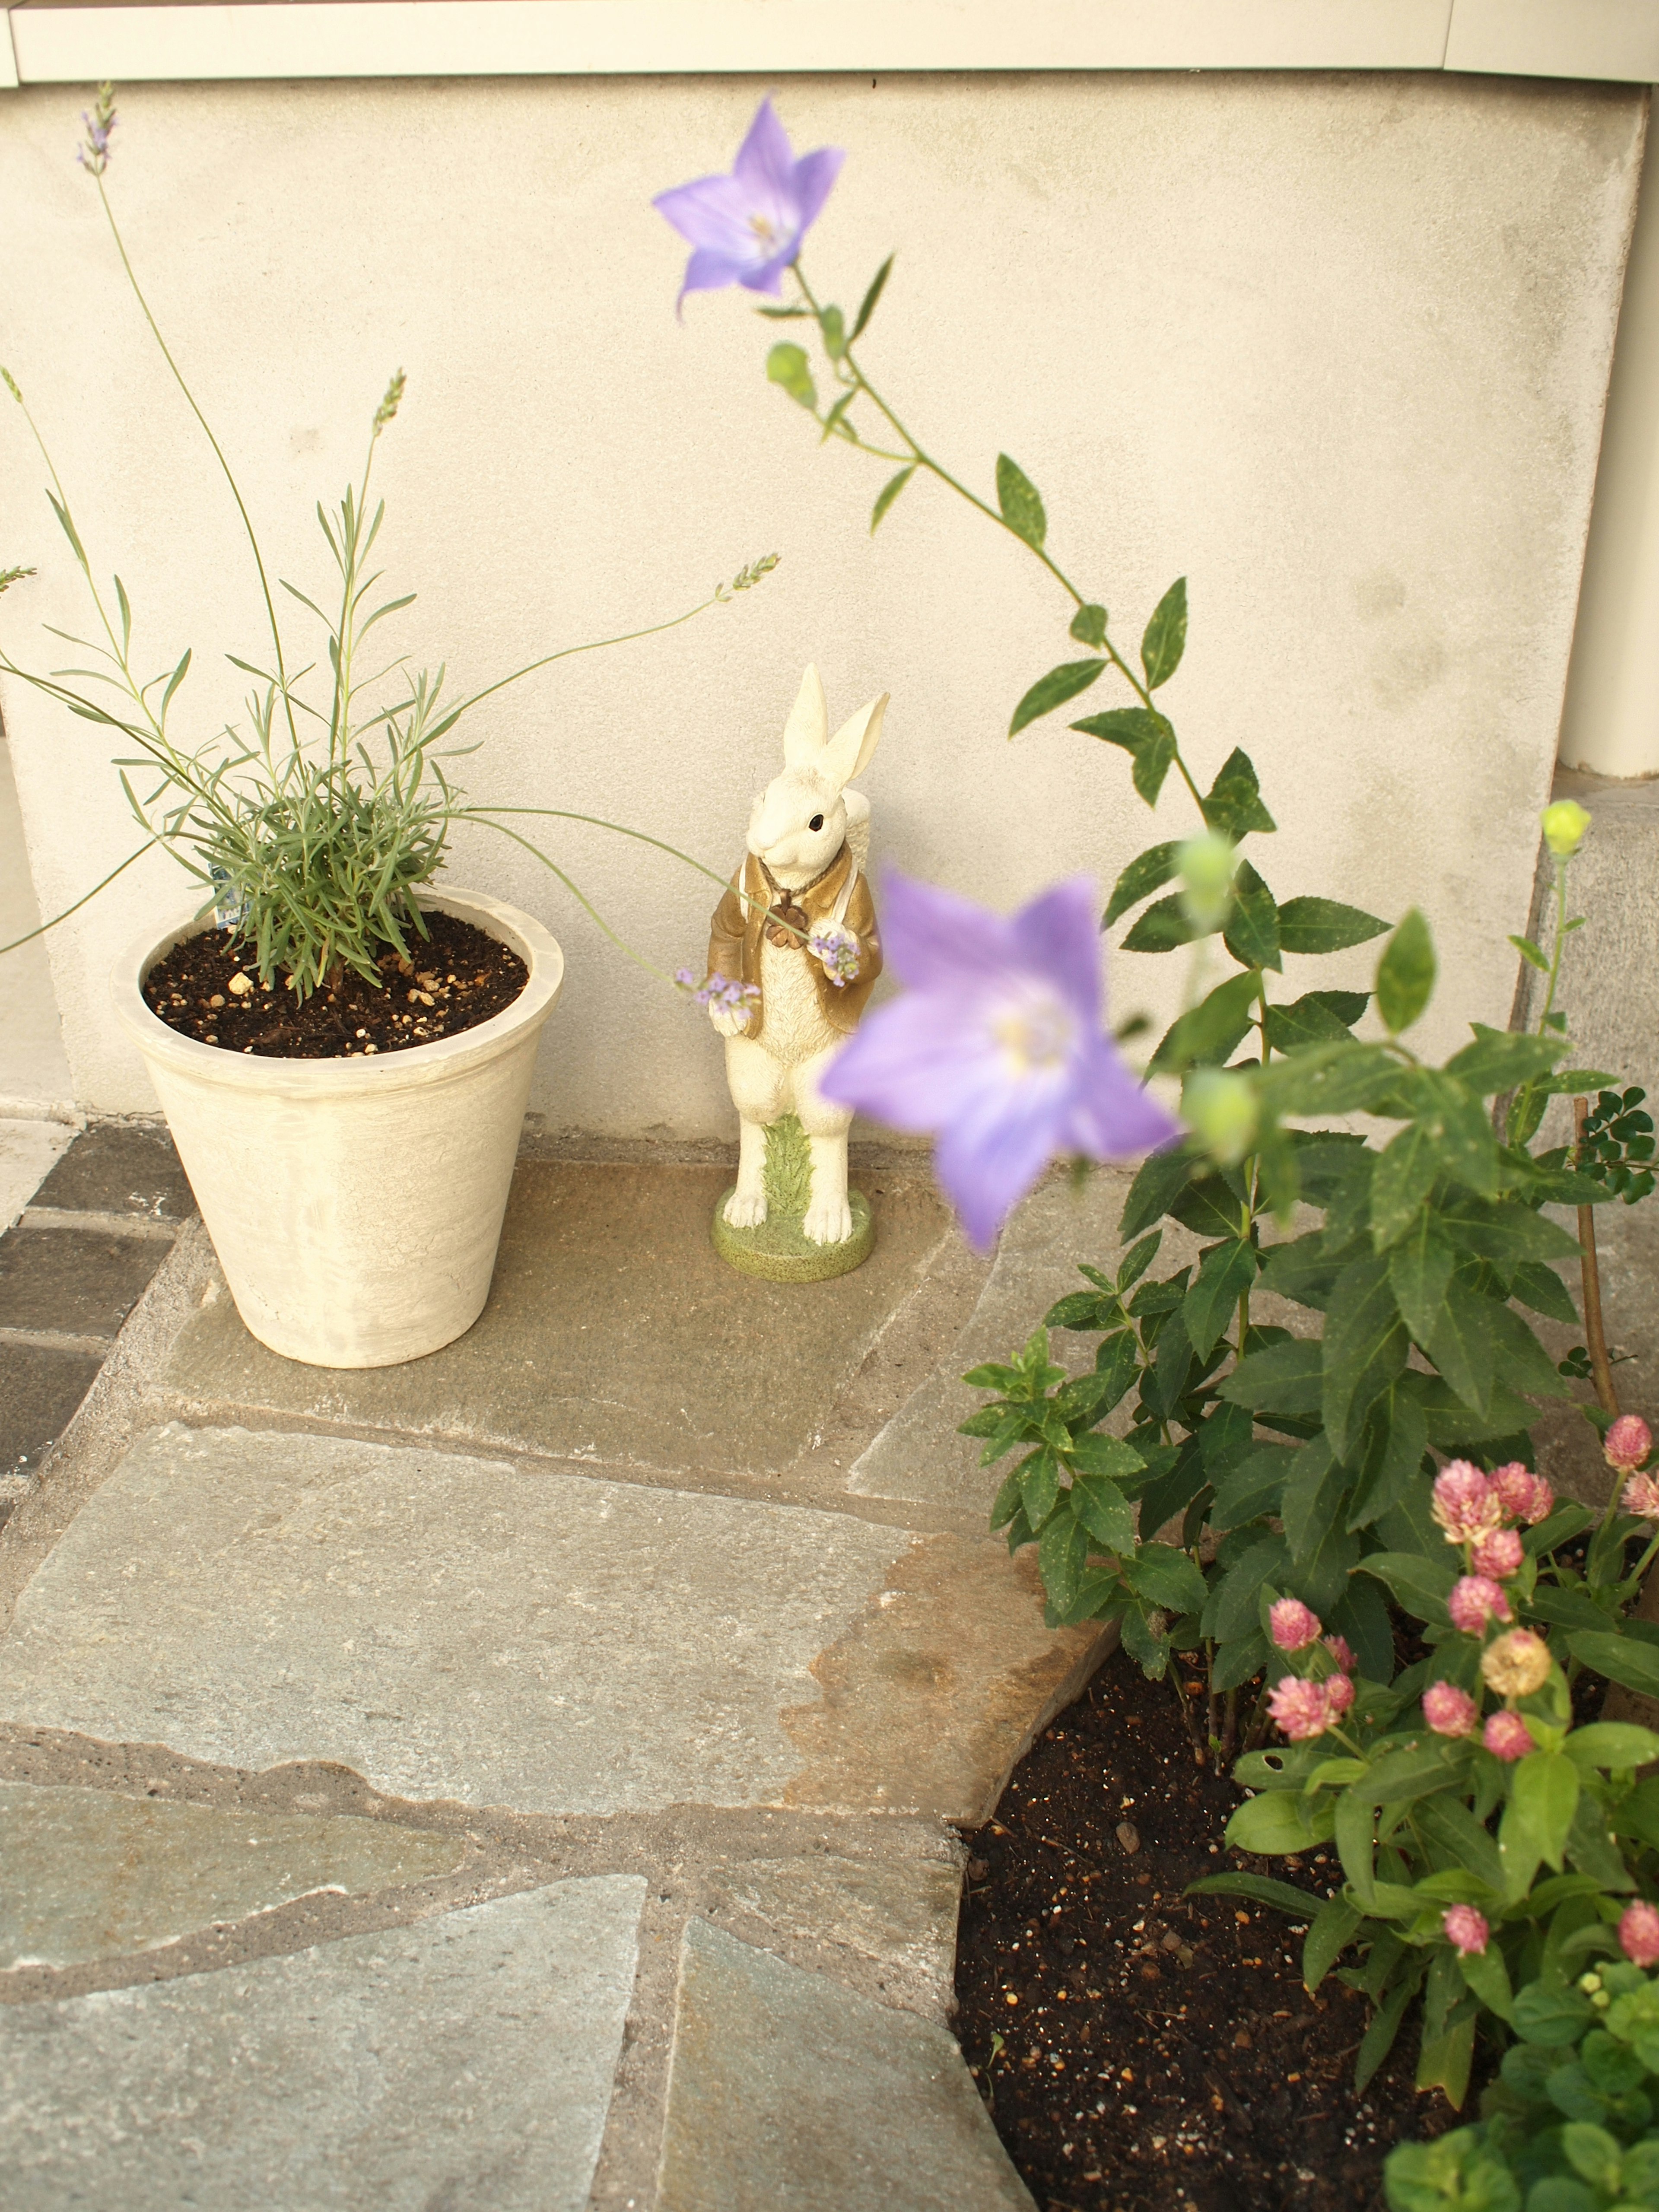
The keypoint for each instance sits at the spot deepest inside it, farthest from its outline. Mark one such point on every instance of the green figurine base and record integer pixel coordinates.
(776, 1250)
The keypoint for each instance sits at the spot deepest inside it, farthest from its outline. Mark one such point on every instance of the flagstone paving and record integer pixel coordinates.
(466, 2061)
(89, 1874)
(559, 1725)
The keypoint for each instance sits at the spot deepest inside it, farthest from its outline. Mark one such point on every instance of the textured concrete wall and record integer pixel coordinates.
(1336, 348)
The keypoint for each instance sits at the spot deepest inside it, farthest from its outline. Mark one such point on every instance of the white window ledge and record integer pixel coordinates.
(200, 40)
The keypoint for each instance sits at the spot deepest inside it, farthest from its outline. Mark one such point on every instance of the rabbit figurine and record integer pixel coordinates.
(809, 839)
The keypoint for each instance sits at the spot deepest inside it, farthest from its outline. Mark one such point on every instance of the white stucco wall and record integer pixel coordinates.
(1336, 348)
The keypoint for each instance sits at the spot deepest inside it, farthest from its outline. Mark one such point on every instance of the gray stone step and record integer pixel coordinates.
(90, 1874)
(788, 2092)
(465, 2062)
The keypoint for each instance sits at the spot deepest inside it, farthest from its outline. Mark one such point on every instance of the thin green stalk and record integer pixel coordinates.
(148, 844)
(594, 645)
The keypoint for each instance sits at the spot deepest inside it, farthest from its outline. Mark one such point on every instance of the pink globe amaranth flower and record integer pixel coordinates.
(1292, 1624)
(1449, 1710)
(1507, 1736)
(1638, 1932)
(1301, 1708)
(1500, 1553)
(1342, 1651)
(1465, 1503)
(1466, 1930)
(1525, 1496)
(1339, 1693)
(1641, 1498)
(1627, 1443)
(996, 1045)
(1474, 1600)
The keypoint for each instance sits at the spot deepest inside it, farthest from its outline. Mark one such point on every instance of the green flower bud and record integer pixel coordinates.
(1590, 1983)
(1206, 866)
(1564, 825)
(1221, 1110)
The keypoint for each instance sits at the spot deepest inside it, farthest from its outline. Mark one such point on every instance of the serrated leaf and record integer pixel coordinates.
(1251, 935)
(1094, 1455)
(1165, 637)
(1542, 1289)
(1460, 1345)
(1103, 1510)
(1334, 1079)
(1039, 1485)
(1205, 1035)
(1225, 1273)
(1168, 1577)
(1395, 1437)
(877, 285)
(1322, 924)
(1159, 1181)
(1281, 1378)
(1021, 503)
(1162, 928)
(1231, 1607)
(1063, 1554)
(1365, 1346)
(1233, 802)
(1147, 873)
(889, 492)
(1405, 974)
(1498, 1060)
(1317, 1017)
(1053, 691)
(1089, 626)
(1402, 1178)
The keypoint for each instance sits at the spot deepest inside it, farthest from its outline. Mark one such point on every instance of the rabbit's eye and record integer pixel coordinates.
(816, 821)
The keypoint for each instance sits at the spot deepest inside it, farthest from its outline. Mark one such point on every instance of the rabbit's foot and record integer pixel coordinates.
(747, 1209)
(829, 1221)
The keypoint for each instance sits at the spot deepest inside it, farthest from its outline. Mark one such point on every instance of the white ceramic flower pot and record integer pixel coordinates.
(355, 1205)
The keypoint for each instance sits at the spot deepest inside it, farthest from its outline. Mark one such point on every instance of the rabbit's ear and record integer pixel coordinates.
(808, 727)
(849, 750)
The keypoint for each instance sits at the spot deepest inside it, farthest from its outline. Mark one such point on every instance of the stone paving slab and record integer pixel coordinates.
(89, 1874)
(463, 2064)
(120, 1167)
(41, 1387)
(447, 1626)
(897, 1911)
(74, 1282)
(614, 1333)
(788, 2092)
(28, 1150)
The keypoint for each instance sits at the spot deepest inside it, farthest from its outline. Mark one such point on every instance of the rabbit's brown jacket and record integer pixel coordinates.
(735, 939)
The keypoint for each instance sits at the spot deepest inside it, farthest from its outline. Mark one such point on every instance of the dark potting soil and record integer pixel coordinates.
(1143, 2052)
(208, 989)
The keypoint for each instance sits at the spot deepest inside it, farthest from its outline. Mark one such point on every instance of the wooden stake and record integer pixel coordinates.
(1594, 1336)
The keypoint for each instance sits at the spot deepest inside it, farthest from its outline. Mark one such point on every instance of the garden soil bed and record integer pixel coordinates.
(1139, 2051)
(208, 989)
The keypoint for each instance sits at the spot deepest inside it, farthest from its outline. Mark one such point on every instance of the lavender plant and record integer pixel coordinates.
(1264, 1476)
(312, 829)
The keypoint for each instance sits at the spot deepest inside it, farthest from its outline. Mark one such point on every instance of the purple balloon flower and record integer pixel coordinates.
(747, 228)
(996, 1047)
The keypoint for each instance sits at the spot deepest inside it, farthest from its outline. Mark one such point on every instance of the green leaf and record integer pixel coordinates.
(1530, 953)
(1543, 1798)
(1277, 1823)
(1405, 974)
(1168, 1577)
(1053, 691)
(1089, 626)
(877, 285)
(1460, 1345)
(1504, 1231)
(1101, 1507)
(1165, 639)
(1542, 1289)
(1365, 1346)
(1251, 935)
(1281, 1378)
(1142, 731)
(889, 492)
(1549, 2012)
(1611, 1744)
(1063, 1554)
(1621, 1658)
(1231, 1608)
(1151, 1653)
(1456, 1123)
(1331, 1079)
(1147, 873)
(1321, 925)
(1224, 1273)
(1379, 2037)
(1254, 1487)
(1498, 1060)
(1163, 927)
(785, 314)
(173, 681)
(1333, 1928)
(1039, 1484)
(1205, 1036)
(1260, 1889)
(1108, 1457)
(1419, 1269)
(1594, 2153)
(1234, 802)
(1021, 505)
(832, 328)
(1396, 1436)
(1421, 1585)
(1401, 1180)
(786, 364)
(1317, 1017)
(1159, 1181)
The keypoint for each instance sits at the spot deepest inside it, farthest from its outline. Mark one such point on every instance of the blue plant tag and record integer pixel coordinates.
(228, 911)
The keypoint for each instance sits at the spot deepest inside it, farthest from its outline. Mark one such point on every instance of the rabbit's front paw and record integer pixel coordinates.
(727, 1023)
(829, 1221)
(746, 1211)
